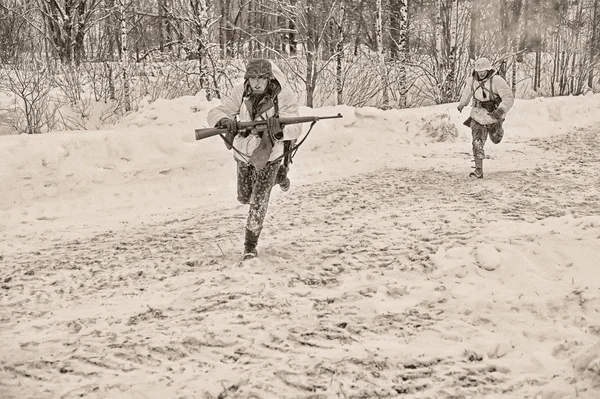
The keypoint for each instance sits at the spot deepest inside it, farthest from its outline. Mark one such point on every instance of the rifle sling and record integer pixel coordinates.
(294, 148)
(292, 151)
(244, 157)
(241, 154)
(481, 85)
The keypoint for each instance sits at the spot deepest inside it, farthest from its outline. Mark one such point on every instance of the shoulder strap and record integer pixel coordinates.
(481, 85)
(491, 89)
(287, 144)
(289, 149)
(276, 105)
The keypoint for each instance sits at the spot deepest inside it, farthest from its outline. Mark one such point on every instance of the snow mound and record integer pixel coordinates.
(440, 128)
(488, 257)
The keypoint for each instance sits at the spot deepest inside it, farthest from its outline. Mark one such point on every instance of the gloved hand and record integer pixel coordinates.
(232, 128)
(460, 108)
(274, 127)
(230, 124)
(497, 114)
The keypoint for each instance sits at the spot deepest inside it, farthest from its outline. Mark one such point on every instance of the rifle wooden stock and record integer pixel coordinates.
(260, 125)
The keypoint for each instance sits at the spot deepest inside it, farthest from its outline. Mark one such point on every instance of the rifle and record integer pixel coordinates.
(260, 125)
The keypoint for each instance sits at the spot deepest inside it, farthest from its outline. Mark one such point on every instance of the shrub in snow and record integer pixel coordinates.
(440, 128)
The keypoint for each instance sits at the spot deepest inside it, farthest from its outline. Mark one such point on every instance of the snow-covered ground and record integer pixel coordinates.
(383, 272)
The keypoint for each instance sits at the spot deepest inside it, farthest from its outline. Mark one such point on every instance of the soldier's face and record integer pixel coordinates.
(258, 84)
(481, 74)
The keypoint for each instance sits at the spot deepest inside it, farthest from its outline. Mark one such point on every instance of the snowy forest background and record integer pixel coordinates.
(82, 64)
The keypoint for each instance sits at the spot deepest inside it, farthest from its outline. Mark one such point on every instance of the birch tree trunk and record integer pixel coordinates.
(445, 56)
(162, 24)
(339, 57)
(111, 82)
(516, 40)
(385, 100)
(561, 59)
(71, 35)
(513, 75)
(202, 38)
(291, 36)
(124, 58)
(110, 30)
(537, 39)
(67, 24)
(451, 76)
(575, 85)
(475, 30)
(594, 46)
(555, 64)
(311, 52)
(394, 28)
(403, 52)
(537, 69)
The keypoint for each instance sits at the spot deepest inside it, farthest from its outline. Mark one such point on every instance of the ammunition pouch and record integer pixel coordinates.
(489, 106)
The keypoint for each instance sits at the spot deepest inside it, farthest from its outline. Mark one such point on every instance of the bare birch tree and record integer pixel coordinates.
(594, 46)
(13, 26)
(474, 46)
(201, 23)
(339, 87)
(444, 45)
(312, 20)
(67, 22)
(124, 57)
(517, 10)
(402, 52)
(385, 100)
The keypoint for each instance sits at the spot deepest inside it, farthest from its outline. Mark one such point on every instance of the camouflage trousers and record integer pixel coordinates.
(480, 134)
(254, 188)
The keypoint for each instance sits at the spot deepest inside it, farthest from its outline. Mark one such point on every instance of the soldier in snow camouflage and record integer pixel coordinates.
(262, 96)
(492, 99)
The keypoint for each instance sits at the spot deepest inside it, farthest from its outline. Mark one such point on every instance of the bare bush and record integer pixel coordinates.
(166, 80)
(69, 79)
(360, 80)
(100, 78)
(30, 83)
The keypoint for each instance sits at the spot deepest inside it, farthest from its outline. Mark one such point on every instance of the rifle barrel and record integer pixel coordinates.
(213, 131)
(330, 116)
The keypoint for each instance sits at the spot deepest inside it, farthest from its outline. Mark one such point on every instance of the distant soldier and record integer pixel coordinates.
(492, 99)
(259, 154)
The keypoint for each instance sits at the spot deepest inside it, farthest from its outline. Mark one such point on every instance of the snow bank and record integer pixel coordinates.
(134, 161)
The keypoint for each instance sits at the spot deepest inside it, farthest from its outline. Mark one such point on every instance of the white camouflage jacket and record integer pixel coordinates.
(234, 105)
(473, 89)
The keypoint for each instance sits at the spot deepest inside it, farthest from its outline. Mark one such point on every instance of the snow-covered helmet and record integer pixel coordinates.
(482, 64)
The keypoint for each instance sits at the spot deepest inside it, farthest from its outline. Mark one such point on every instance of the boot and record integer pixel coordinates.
(285, 184)
(497, 133)
(282, 179)
(250, 243)
(478, 172)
